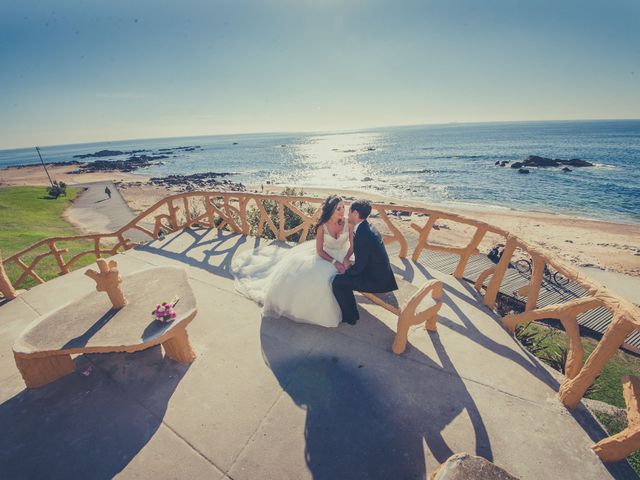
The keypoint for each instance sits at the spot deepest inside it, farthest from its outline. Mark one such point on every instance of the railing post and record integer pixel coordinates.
(468, 251)
(6, 288)
(173, 217)
(536, 282)
(187, 212)
(496, 279)
(424, 235)
(281, 220)
(58, 256)
(397, 234)
(576, 351)
(573, 389)
(243, 200)
(210, 213)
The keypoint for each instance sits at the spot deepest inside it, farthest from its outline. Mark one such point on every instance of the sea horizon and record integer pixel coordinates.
(320, 132)
(444, 163)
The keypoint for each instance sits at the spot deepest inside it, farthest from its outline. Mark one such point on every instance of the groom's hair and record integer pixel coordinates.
(363, 207)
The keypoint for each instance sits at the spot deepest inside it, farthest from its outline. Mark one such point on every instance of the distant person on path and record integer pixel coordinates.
(107, 190)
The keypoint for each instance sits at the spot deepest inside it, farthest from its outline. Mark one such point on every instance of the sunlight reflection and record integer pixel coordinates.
(343, 159)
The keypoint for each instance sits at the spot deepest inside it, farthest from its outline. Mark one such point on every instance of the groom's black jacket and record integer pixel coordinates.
(371, 272)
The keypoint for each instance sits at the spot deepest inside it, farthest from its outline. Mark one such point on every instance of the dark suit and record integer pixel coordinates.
(371, 271)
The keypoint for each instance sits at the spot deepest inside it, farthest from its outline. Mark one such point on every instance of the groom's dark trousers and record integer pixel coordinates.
(371, 271)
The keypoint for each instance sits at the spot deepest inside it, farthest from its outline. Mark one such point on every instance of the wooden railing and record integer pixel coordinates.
(247, 213)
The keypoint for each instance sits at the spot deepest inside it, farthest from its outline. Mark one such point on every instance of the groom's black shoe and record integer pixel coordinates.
(351, 321)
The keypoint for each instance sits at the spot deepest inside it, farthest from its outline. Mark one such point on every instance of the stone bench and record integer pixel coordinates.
(404, 303)
(92, 325)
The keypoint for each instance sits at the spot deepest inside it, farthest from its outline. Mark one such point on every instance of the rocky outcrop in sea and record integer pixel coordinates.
(117, 153)
(197, 182)
(108, 153)
(543, 162)
(132, 163)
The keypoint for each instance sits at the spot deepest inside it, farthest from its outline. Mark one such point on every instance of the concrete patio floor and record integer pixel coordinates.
(269, 398)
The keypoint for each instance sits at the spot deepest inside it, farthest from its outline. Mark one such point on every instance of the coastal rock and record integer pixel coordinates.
(543, 162)
(146, 158)
(101, 153)
(48, 164)
(536, 161)
(367, 179)
(576, 162)
(133, 163)
(198, 182)
(463, 466)
(567, 169)
(523, 170)
(187, 148)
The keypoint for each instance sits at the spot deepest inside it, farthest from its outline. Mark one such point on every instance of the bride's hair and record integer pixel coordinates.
(328, 207)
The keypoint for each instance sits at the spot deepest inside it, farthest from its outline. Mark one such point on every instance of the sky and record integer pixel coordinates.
(94, 70)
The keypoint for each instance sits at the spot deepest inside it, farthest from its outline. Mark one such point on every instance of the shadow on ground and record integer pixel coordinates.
(367, 416)
(85, 426)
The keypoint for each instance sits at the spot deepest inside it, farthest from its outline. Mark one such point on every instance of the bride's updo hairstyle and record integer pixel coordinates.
(328, 207)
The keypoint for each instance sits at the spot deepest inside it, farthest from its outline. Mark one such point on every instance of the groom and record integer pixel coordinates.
(371, 271)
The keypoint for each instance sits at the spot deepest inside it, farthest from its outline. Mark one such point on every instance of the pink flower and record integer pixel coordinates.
(173, 315)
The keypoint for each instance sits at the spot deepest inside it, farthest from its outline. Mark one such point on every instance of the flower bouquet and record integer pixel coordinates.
(165, 312)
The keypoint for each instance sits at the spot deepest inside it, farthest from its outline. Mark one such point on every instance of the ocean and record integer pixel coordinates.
(449, 164)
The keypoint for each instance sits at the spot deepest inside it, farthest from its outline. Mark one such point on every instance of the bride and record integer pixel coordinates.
(296, 282)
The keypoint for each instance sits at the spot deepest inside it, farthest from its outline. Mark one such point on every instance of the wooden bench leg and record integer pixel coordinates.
(408, 316)
(178, 347)
(407, 319)
(40, 371)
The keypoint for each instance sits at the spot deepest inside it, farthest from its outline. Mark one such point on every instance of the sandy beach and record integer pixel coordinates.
(583, 242)
(36, 175)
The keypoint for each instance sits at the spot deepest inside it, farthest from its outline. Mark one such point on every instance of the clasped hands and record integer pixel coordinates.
(342, 267)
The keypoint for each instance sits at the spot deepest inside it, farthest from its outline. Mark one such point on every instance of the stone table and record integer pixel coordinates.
(92, 325)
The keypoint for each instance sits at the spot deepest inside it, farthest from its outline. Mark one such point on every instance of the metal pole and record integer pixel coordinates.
(44, 166)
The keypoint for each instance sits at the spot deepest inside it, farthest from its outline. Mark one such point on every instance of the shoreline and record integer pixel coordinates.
(583, 242)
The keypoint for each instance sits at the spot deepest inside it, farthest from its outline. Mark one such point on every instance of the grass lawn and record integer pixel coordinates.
(28, 215)
(607, 387)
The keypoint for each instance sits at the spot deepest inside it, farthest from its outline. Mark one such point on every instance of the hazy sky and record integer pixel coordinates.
(76, 71)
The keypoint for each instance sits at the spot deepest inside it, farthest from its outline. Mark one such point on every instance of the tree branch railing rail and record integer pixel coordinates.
(230, 210)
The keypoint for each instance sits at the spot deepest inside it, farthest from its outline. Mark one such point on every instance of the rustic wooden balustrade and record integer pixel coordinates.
(230, 210)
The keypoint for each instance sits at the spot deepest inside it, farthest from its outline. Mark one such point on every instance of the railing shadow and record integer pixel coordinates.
(212, 244)
(83, 427)
(367, 416)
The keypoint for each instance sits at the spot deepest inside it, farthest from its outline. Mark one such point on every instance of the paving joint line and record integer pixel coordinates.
(129, 397)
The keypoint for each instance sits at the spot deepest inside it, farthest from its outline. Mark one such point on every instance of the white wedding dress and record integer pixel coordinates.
(293, 282)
